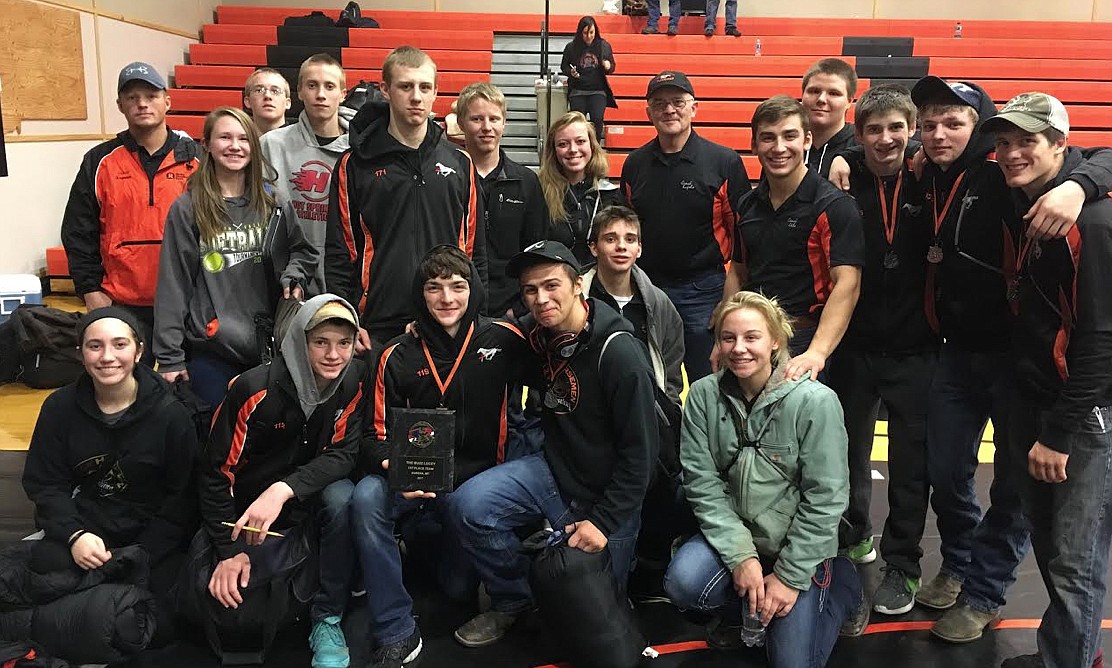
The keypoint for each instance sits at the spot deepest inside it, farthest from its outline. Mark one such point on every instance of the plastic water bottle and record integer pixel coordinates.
(757, 47)
(752, 631)
(957, 30)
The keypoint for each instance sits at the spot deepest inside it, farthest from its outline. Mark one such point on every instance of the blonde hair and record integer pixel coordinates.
(321, 59)
(779, 323)
(480, 90)
(209, 210)
(553, 182)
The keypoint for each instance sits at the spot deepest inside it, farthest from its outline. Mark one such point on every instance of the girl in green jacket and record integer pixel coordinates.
(765, 472)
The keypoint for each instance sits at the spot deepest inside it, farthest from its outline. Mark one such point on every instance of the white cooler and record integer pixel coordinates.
(16, 289)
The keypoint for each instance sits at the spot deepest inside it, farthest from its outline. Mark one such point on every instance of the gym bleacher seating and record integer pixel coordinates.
(1005, 57)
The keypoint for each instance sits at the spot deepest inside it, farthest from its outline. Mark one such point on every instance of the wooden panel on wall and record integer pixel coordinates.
(41, 62)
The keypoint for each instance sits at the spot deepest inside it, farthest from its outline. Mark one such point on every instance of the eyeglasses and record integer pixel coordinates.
(677, 103)
(274, 91)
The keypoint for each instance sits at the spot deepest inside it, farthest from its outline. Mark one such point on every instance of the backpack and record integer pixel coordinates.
(351, 17)
(46, 339)
(20, 654)
(362, 93)
(668, 418)
(315, 19)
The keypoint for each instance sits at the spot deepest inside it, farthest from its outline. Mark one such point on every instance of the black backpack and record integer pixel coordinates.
(312, 20)
(351, 17)
(362, 93)
(46, 339)
(21, 654)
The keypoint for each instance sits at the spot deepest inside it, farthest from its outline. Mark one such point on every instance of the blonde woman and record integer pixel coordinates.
(764, 466)
(232, 247)
(573, 178)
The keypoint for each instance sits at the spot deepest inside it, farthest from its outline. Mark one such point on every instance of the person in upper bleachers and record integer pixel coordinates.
(305, 153)
(675, 10)
(573, 179)
(828, 90)
(684, 189)
(112, 226)
(712, 16)
(233, 247)
(266, 94)
(588, 59)
(399, 191)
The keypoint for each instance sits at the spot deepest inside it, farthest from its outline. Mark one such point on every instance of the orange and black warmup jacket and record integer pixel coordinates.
(112, 227)
(492, 355)
(389, 205)
(890, 317)
(1063, 341)
(788, 252)
(260, 436)
(686, 205)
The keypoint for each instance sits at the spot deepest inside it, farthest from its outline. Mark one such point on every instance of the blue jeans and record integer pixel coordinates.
(695, 299)
(712, 13)
(674, 11)
(374, 512)
(209, 376)
(804, 638)
(524, 433)
(1071, 528)
(487, 509)
(337, 558)
(984, 552)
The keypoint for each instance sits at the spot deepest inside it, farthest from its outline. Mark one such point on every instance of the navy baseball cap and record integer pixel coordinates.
(542, 252)
(138, 71)
(931, 89)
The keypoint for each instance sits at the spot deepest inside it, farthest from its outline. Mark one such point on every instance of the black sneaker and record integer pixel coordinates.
(854, 625)
(404, 653)
(485, 629)
(673, 30)
(709, 32)
(649, 30)
(724, 635)
(732, 31)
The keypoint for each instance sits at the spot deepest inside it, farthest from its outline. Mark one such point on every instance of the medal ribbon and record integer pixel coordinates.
(890, 219)
(443, 386)
(946, 208)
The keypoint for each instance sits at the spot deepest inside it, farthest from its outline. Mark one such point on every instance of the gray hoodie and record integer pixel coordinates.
(209, 295)
(305, 174)
(296, 354)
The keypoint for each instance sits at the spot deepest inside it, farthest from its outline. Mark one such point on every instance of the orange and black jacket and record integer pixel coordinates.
(112, 227)
(492, 355)
(1063, 340)
(260, 436)
(389, 205)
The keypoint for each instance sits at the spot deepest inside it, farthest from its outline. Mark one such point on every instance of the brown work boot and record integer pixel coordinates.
(963, 624)
(941, 593)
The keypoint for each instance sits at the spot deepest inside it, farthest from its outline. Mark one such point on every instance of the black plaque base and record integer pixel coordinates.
(422, 450)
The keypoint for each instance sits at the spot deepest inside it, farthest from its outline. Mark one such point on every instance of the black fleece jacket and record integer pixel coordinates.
(600, 432)
(389, 205)
(496, 357)
(515, 217)
(133, 478)
(1063, 344)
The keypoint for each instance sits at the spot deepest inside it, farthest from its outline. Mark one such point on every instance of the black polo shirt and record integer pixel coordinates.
(684, 201)
(789, 251)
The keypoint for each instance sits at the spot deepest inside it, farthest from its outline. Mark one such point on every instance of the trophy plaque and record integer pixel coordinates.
(422, 450)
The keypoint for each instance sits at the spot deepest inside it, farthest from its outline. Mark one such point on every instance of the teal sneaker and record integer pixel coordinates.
(863, 552)
(330, 649)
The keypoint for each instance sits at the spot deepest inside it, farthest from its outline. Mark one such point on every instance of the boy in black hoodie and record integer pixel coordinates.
(399, 191)
(281, 447)
(972, 228)
(600, 443)
(462, 361)
(1062, 418)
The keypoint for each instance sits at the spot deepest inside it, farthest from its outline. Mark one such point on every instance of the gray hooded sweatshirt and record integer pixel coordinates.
(295, 352)
(305, 175)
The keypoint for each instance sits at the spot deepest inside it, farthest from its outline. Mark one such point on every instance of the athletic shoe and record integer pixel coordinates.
(855, 624)
(723, 635)
(404, 653)
(1025, 661)
(673, 30)
(941, 593)
(649, 30)
(732, 31)
(862, 553)
(962, 624)
(709, 32)
(485, 629)
(330, 649)
(896, 594)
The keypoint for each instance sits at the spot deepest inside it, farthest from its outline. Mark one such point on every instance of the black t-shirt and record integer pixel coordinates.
(790, 251)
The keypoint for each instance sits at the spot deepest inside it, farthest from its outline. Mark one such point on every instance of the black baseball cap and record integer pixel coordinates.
(542, 252)
(933, 89)
(669, 78)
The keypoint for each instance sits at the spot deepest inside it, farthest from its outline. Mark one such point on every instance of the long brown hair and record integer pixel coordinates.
(553, 182)
(209, 210)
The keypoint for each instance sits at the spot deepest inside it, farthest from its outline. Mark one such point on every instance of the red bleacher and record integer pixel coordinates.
(1005, 57)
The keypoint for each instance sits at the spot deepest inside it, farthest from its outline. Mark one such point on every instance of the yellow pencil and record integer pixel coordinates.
(253, 529)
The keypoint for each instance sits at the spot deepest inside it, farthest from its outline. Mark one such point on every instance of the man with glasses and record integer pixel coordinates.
(266, 95)
(684, 189)
(305, 152)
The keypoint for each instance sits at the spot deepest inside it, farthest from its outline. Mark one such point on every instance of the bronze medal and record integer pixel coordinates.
(934, 254)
